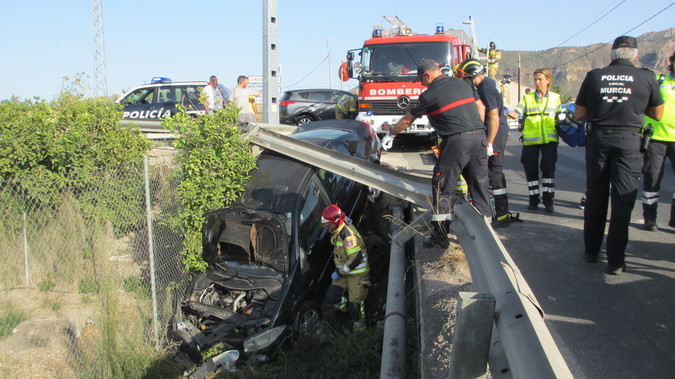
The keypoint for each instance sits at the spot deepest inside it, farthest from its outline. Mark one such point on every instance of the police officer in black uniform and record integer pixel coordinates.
(614, 99)
(450, 105)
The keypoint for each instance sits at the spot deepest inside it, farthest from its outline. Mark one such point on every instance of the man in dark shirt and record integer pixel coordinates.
(450, 105)
(614, 100)
(497, 133)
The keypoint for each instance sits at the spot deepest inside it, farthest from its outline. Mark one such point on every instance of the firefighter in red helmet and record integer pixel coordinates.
(351, 266)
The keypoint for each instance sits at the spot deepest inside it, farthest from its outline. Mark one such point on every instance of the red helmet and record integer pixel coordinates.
(332, 213)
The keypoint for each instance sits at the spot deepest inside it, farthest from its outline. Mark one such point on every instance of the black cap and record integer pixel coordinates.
(425, 65)
(624, 41)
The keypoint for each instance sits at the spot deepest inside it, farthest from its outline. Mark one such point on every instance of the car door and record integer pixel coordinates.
(167, 100)
(140, 103)
(313, 241)
(323, 106)
(190, 99)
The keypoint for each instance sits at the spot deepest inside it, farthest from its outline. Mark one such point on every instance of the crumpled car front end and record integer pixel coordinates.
(235, 304)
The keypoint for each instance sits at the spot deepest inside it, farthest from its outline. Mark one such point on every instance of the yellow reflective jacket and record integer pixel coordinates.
(349, 250)
(539, 115)
(664, 130)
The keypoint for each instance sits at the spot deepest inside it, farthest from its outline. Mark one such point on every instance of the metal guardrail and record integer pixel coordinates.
(407, 187)
(529, 347)
(522, 347)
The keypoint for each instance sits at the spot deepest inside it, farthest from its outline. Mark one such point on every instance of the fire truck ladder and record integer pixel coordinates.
(398, 25)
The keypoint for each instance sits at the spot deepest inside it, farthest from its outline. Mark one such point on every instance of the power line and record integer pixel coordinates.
(606, 43)
(643, 22)
(592, 23)
(597, 19)
(310, 73)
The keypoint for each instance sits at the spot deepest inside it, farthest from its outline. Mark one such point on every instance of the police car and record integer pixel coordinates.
(160, 98)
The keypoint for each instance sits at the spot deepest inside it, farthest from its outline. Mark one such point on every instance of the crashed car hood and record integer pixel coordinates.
(254, 237)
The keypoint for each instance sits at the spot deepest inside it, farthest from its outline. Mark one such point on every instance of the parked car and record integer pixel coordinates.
(269, 256)
(302, 106)
(160, 98)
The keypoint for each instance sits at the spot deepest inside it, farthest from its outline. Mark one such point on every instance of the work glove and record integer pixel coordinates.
(490, 150)
(335, 275)
(388, 141)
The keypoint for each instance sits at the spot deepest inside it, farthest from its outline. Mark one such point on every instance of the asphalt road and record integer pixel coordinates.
(605, 326)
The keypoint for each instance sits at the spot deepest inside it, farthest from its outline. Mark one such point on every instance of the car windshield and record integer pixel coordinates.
(401, 59)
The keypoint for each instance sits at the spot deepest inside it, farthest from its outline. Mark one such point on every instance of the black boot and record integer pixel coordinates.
(502, 216)
(357, 313)
(649, 215)
(548, 202)
(671, 223)
(534, 203)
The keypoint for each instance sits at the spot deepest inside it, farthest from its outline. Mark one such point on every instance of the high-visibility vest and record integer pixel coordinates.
(347, 242)
(664, 130)
(539, 124)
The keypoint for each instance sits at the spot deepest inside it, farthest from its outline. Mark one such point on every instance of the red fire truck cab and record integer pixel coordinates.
(386, 67)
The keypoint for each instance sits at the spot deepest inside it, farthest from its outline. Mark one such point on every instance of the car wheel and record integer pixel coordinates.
(307, 318)
(302, 120)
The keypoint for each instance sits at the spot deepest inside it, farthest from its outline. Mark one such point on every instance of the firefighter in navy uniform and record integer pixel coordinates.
(351, 266)
(450, 105)
(614, 100)
(662, 146)
(497, 134)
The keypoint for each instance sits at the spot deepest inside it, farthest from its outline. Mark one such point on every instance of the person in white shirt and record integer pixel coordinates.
(213, 97)
(241, 98)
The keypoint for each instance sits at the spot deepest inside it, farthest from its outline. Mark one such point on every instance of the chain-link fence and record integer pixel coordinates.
(88, 272)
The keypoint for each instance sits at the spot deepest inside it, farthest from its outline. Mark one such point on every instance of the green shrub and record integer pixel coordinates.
(86, 286)
(131, 284)
(46, 285)
(215, 163)
(68, 142)
(10, 319)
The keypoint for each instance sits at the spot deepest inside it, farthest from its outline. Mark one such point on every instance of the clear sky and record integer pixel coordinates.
(44, 40)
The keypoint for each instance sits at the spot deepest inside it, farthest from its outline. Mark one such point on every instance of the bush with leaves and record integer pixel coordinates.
(46, 146)
(215, 165)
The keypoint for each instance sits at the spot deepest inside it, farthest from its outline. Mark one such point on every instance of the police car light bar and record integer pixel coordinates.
(160, 79)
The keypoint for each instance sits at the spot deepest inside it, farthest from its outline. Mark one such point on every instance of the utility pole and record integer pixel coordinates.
(474, 37)
(330, 80)
(270, 63)
(519, 78)
(100, 75)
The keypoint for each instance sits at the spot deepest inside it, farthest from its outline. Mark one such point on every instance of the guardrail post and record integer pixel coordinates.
(471, 341)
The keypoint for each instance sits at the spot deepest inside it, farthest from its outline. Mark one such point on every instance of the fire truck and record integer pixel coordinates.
(386, 67)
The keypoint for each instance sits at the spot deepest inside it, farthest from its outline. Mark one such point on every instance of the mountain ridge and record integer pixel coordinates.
(569, 64)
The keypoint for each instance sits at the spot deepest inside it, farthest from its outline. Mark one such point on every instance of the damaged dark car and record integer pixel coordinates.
(269, 256)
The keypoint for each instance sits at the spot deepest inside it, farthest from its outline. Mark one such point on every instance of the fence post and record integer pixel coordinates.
(151, 250)
(25, 246)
